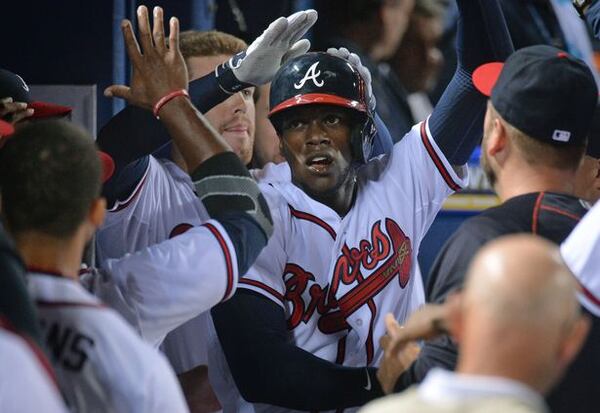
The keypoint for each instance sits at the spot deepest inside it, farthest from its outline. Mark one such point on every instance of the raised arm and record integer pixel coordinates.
(457, 120)
(134, 132)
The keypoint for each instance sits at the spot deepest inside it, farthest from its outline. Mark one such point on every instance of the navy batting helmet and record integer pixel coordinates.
(320, 78)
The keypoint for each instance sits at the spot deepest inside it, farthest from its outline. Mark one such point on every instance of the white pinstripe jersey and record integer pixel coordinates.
(336, 277)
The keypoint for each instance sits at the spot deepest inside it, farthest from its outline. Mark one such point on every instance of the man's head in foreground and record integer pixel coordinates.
(520, 318)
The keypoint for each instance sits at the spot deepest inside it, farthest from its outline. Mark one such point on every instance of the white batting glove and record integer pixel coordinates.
(354, 60)
(259, 63)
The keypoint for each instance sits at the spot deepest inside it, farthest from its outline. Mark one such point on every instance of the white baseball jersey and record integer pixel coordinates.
(25, 383)
(161, 206)
(161, 287)
(581, 253)
(337, 277)
(102, 365)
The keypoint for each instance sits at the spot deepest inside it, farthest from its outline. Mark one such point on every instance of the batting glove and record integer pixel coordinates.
(354, 60)
(259, 63)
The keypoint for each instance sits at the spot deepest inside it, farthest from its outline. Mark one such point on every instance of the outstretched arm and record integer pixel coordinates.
(269, 368)
(134, 133)
(482, 36)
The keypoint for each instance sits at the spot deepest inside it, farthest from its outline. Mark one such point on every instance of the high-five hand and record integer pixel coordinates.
(158, 67)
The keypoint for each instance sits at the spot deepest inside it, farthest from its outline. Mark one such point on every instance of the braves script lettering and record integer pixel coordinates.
(386, 255)
(311, 74)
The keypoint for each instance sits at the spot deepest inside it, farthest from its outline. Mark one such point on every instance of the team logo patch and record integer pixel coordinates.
(387, 256)
(311, 74)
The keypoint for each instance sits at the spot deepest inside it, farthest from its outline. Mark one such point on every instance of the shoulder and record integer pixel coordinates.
(408, 399)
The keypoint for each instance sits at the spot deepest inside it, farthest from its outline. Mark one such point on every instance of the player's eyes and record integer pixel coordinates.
(247, 93)
(295, 124)
(332, 119)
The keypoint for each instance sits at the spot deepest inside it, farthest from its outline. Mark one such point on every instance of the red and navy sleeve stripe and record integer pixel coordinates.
(270, 290)
(228, 259)
(437, 161)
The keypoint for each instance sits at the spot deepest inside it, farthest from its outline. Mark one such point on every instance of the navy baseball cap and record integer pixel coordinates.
(542, 91)
(13, 85)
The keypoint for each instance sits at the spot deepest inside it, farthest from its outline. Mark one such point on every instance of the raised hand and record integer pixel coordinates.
(158, 67)
(353, 58)
(279, 42)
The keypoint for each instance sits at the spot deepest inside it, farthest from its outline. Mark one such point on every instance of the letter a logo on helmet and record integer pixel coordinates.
(311, 74)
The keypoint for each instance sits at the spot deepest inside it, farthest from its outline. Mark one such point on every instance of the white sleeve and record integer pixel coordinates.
(581, 253)
(136, 376)
(266, 274)
(22, 376)
(418, 168)
(169, 283)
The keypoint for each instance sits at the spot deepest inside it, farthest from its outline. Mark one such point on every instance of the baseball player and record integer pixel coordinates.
(343, 252)
(102, 364)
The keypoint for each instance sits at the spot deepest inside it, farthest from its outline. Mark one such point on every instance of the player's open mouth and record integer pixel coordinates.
(319, 163)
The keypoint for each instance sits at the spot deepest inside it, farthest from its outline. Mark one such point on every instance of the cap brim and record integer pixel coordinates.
(6, 129)
(48, 110)
(486, 76)
(318, 98)
(108, 165)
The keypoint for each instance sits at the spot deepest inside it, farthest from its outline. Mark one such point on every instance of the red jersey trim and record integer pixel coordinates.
(315, 220)
(437, 161)
(263, 287)
(120, 205)
(561, 212)
(228, 261)
(37, 352)
(536, 213)
(588, 294)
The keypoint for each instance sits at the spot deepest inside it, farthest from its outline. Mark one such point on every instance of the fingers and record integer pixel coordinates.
(131, 44)
(145, 34)
(299, 48)
(158, 30)
(273, 32)
(300, 23)
(174, 34)
(392, 326)
(20, 115)
(7, 106)
(295, 26)
(117, 91)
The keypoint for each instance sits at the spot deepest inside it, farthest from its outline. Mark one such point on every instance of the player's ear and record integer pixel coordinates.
(97, 212)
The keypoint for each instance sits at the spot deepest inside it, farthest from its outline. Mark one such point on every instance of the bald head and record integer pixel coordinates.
(520, 316)
(522, 280)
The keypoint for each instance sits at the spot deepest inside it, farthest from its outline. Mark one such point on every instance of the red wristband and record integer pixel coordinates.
(167, 98)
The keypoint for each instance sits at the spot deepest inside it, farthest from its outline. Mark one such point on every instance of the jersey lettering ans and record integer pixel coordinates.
(336, 278)
(581, 253)
(163, 205)
(102, 365)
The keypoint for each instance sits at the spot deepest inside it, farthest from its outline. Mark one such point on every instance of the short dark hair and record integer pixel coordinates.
(50, 174)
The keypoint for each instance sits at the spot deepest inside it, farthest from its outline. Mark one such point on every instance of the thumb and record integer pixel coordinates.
(117, 91)
(297, 49)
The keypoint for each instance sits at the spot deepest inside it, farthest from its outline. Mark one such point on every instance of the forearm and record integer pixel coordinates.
(270, 369)
(482, 36)
(195, 138)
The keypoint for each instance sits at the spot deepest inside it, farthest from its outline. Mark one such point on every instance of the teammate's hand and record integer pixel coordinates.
(13, 112)
(398, 355)
(280, 42)
(158, 68)
(353, 58)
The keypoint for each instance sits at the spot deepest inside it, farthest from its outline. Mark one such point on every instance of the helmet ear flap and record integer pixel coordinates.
(361, 139)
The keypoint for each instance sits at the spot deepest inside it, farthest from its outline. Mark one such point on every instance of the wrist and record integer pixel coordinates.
(168, 98)
(226, 78)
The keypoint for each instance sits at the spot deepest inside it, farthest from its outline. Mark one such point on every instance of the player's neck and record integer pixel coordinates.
(45, 252)
(341, 199)
(520, 181)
